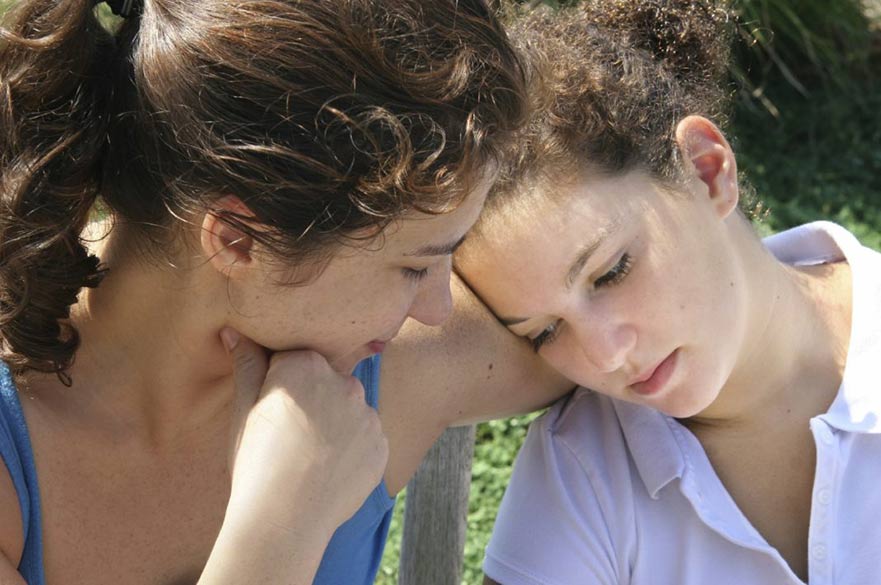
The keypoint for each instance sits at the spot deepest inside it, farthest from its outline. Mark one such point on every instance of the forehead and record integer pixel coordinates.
(527, 241)
(548, 215)
(530, 243)
(417, 234)
(588, 203)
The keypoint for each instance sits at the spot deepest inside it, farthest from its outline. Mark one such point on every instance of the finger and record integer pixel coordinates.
(250, 364)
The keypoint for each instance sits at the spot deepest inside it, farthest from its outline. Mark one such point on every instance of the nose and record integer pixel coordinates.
(606, 343)
(433, 303)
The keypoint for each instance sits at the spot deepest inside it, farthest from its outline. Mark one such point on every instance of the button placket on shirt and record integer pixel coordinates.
(819, 556)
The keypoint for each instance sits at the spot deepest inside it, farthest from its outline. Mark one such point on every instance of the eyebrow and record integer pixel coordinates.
(588, 250)
(577, 266)
(435, 250)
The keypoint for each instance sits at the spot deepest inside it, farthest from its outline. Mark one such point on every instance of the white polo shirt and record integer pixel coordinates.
(608, 492)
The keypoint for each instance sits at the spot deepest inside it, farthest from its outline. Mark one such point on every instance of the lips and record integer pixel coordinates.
(653, 380)
(376, 346)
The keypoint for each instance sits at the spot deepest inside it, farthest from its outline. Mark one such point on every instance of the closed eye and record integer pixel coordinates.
(548, 335)
(414, 274)
(617, 273)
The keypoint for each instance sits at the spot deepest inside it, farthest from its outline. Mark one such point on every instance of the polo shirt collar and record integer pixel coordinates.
(663, 450)
(652, 444)
(650, 435)
(857, 407)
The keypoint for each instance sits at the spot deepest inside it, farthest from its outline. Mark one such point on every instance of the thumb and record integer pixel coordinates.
(250, 364)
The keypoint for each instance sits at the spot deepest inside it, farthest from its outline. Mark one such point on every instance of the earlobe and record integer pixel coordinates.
(706, 152)
(224, 245)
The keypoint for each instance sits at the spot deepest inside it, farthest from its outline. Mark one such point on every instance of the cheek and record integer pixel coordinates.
(567, 357)
(385, 304)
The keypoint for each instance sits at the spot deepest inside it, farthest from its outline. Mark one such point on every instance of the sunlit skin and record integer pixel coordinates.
(633, 303)
(680, 308)
(139, 447)
(166, 431)
(363, 295)
(676, 275)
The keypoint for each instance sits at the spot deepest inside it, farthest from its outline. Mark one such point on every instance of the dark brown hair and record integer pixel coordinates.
(325, 117)
(611, 80)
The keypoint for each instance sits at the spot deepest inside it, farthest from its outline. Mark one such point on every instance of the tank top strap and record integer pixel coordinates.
(18, 455)
(368, 372)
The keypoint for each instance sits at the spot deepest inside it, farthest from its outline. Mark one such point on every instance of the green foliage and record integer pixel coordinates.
(491, 472)
(495, 447)
(818, 159)
(805, 41)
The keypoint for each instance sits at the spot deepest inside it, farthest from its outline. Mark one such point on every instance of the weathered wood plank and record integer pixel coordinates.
(436, 512)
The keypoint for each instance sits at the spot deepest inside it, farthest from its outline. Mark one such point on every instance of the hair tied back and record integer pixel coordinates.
(123, 8)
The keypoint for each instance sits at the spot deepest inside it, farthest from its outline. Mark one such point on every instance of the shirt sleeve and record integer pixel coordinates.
(552, 528)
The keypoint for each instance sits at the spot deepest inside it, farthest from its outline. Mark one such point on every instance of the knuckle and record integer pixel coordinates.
(313, 360)
(373, 421)
(353, 389)
(276, 362)
(301, 363)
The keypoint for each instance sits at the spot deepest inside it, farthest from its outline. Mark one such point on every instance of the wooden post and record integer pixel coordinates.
(435, 516)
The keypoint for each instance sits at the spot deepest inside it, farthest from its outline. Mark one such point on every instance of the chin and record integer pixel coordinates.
(681, 413)
(685, 406)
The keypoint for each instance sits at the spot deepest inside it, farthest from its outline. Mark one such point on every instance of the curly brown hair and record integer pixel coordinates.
(611, 80)
(325, 117)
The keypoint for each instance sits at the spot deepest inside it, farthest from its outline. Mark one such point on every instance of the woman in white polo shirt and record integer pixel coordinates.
(732, 433)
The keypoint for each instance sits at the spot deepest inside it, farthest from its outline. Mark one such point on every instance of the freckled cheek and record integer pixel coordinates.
(393, 306)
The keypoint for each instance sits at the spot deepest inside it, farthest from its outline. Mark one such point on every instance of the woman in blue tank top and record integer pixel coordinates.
(280, 185)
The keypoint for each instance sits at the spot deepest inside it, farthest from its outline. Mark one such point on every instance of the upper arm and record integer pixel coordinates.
(11, 530)
(468, 370)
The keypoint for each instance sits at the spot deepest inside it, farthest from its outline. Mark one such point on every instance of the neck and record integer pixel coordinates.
(793, 353)
(150, 357)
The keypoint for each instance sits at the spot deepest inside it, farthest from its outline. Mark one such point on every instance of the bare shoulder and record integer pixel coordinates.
(11, 529)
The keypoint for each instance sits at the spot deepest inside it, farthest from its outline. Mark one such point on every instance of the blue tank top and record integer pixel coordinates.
(352, 556)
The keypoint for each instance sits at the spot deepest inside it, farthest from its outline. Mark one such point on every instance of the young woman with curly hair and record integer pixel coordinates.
(191, 384)
(729, 429)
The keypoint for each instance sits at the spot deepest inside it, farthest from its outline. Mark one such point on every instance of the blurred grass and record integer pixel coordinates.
(806, 42)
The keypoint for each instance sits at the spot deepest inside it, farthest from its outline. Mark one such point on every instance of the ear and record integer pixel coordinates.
(706, 152)
(224, 245)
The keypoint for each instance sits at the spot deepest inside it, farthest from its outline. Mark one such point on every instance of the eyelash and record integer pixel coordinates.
(548, 335)
(617, 273)
(415, 275)
(614, 276)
